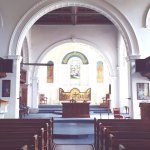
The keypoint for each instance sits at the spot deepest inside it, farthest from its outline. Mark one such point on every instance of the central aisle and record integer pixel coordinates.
(73, 134)
(74, 131)
(73, 147)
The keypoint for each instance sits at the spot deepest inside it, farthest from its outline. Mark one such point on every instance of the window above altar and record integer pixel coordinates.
(75, 66)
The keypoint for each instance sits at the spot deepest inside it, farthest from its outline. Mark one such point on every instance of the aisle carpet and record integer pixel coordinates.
(73, 131)
(73, 147)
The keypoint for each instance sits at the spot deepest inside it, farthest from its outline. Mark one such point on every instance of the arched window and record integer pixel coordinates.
(75, 66)
(100, 71)
(76, 63)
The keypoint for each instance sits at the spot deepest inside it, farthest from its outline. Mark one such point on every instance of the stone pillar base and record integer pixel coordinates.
(33, 110)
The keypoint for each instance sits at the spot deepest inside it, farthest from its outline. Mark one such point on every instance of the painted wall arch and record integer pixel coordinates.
(75, 54)
(100, 72)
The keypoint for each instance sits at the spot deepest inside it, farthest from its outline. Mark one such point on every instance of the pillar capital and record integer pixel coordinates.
(132, 57)
(15, 57)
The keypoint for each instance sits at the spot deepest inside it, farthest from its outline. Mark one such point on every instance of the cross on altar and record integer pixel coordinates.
(75, 95)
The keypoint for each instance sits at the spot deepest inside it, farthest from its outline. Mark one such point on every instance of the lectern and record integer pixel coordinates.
(3, 107)
(75, 110)
(145, 110)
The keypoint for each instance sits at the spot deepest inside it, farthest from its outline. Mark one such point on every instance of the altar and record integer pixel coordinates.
(75, 110)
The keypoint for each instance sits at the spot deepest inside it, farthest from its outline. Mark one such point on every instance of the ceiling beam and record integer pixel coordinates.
(74, 17)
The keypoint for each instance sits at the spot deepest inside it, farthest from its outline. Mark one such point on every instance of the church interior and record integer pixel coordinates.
(74, 74)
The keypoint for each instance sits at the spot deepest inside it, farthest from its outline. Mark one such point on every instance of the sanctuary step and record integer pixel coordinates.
(73, 131)
(57, 109)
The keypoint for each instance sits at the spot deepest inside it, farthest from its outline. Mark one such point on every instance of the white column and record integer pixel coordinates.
(118, 87)
(114, 92)
(120, 69)
(122, 72)
(34, 93)
(29, 72)
(13, 104)
(131, 65)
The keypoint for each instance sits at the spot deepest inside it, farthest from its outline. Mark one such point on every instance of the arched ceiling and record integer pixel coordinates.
(73, 16)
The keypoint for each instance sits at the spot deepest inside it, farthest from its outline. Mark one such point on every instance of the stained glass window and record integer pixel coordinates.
(75, 68)
(50, 70)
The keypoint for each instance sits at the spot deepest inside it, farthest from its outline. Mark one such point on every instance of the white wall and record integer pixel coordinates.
(135, 12)
(103, 37)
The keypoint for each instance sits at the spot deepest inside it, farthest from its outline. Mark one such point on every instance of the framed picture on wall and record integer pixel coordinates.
(143, 91)
(6, 88)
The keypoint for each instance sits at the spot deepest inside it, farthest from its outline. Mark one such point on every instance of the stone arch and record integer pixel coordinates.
(25, 49)
(147, 20)
(1, 21)
(102, 7)
(77, 40)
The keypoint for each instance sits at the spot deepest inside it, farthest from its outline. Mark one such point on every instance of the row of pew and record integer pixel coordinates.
(110, 134)
(26, 134)
(122, 134)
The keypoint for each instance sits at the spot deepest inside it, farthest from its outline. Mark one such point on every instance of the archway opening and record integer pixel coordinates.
(36, 59)
(74, 73)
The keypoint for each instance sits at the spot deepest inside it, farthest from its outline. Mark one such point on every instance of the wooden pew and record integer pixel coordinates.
(22, 133)
(26, 130)
(134, 129)
(31, 125)
(125, 135)
(16, 143)
(47, 124)
(102, 123)
(132, 144)
(138, 146)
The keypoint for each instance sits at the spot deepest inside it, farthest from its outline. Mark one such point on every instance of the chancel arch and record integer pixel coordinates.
(44, 7)
(87, 77)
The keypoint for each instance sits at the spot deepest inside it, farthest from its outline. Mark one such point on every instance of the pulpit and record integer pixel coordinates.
(75, 110)
(145, 110)
(3, 107)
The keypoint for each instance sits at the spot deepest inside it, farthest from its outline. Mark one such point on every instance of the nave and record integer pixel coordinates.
(44, 131)
(71, 133)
